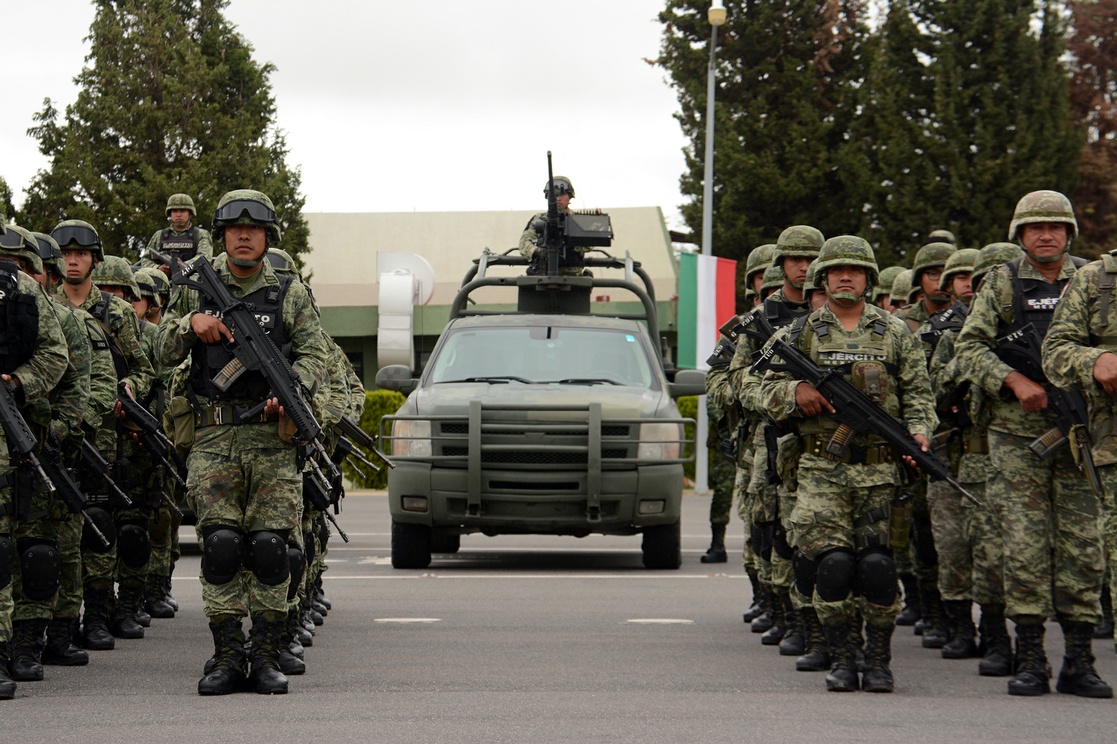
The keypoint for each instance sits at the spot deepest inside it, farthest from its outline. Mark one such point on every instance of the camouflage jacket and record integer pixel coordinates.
(102, 374)
(914, 315)
(71, 396)
(529, 238)
(205, 245)
(50, 360)
(746, 385)
(990, 311)
(1085, 327)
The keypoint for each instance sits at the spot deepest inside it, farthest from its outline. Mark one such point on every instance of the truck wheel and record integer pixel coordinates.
(411, 545)
(662, 546)
(446, 543)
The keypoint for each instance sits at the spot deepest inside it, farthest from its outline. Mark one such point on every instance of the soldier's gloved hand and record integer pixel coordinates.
(1031, 395)
(810, 401)
(1105, 372)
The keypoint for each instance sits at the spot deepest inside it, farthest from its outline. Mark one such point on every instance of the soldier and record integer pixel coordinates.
(33, 361)
(1047, 512)
(882, 293)
(760, 258)
(181, 239)
(529, 239)
(841, 517)
(902, 289)
(244, 481)
(941, 236)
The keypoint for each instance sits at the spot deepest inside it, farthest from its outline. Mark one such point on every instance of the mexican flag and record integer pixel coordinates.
(707, 298)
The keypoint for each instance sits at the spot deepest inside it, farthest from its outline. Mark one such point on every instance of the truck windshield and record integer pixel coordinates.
(543, 355)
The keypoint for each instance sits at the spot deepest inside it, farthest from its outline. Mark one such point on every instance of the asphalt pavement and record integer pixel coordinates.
(534, 639)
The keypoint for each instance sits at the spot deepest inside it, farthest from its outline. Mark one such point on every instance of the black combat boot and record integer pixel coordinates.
(289, 661)
(843, 675)
(934, 619)
(28, 638)
(60, 649)
(167, 590)
(857, 641)
(763, 622)
(913, 609)
(155, 598)
(755, 610)
(298, 632)
(95, 634)
(124, 624)
(878, 655)
(7, 685)
(226, 672)
(1104, 629)
(794, 641)
(816, 658)
(291, 634)
(320, 596)
(267, 640)
(1078, 676)
(960, 627)
(1030, 662)
(997, 660)
(774, 635)
(716, 552)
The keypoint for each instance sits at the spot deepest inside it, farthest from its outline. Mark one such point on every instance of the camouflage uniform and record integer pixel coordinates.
(202, 236)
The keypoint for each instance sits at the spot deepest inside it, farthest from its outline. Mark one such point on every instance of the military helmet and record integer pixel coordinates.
(246, 207)
(940, 236)
(992, 256)
(19, 243)
(760, 258)
(50, 253)
(773, 280)
(154, 285)
(71, 234)
(1042, 206)
(960, 263)
(884, 281)
(562, 186)
(114, 271)
(180, 201)
(798, 240)
(847, 250)
(901, 287)
(929, 257)
(282, 262)
(810, 284)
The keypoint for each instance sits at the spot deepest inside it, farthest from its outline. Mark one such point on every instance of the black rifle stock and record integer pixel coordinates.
(99, 464)
(21, 441)
(151, 438)
(319, 497)
(855, 412)
(353, 430)
(1071, 413)
(67, 489)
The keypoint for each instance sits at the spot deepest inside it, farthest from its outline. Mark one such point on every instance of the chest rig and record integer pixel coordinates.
(19, 319)
(1106, 337)
(184, 245)
(1033, 301)
(208, 360)
(100, 311)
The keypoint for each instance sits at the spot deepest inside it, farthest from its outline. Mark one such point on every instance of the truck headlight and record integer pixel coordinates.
(659, 441)
(411, 438)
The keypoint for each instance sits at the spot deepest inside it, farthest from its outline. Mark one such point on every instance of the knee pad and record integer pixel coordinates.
(925, 551)
(133, 543)
(876, 577)
(297, 561)
(267, 557)
(7, 560)
(40, 568)
(103, 520)
(835, 575)
(222, 553)
(780, 545)
(806, 573)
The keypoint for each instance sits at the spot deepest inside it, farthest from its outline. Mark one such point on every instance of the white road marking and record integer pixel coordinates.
(659, 621)
(407, 620)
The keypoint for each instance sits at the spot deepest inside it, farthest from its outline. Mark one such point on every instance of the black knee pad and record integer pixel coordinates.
(876, 577)
(297, 561)
(103, 520)
(835, 575)
(780, 545)
(133, 545)
(40, 568)
(7, 560)
(925, 551)
(267, 556)
(222, 553)
(806, 573)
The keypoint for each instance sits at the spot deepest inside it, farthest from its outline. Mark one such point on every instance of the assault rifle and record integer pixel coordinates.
(67, 490)
(354, 432)
(855, 411)
(563, 232)
(1071, 414)
(319, 497)
(21, 442)
(151, 437)
(101, 466)
(254, 350)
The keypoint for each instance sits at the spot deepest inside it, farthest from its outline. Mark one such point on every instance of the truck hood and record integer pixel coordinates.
(616, 401)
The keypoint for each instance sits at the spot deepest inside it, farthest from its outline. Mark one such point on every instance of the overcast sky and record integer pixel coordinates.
(413, 105)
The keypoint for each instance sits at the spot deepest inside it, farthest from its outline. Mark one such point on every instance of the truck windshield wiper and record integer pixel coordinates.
(586, 381)
(495, 378)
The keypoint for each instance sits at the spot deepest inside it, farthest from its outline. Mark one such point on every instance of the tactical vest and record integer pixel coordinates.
(19, 319)
(780, 314)
(100, 311)
(868, 361)
(207, 360)
(950, 319)
(183, 245)
(1033, 301)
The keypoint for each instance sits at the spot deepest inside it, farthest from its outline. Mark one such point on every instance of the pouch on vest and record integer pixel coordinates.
(178, 424)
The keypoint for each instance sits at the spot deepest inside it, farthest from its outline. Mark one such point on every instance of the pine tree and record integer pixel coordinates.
(170, 100)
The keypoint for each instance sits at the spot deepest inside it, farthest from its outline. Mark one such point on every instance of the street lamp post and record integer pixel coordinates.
(716, 16)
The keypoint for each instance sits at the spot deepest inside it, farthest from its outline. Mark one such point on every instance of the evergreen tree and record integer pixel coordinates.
(170, 101)
(6, 209)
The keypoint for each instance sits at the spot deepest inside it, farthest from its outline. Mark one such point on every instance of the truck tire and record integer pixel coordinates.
(662, 546)
(411, 545)
(446, 543)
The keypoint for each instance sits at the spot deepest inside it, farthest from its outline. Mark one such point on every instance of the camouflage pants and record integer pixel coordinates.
(740, 492)
(722, 473)
(983, 533)
(1108, 521)
(783, 571)
(1049, 524)
(244, 477)
(829, 515)
(953, 549)
(7, 606)
(164, 533)
(52, 522)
